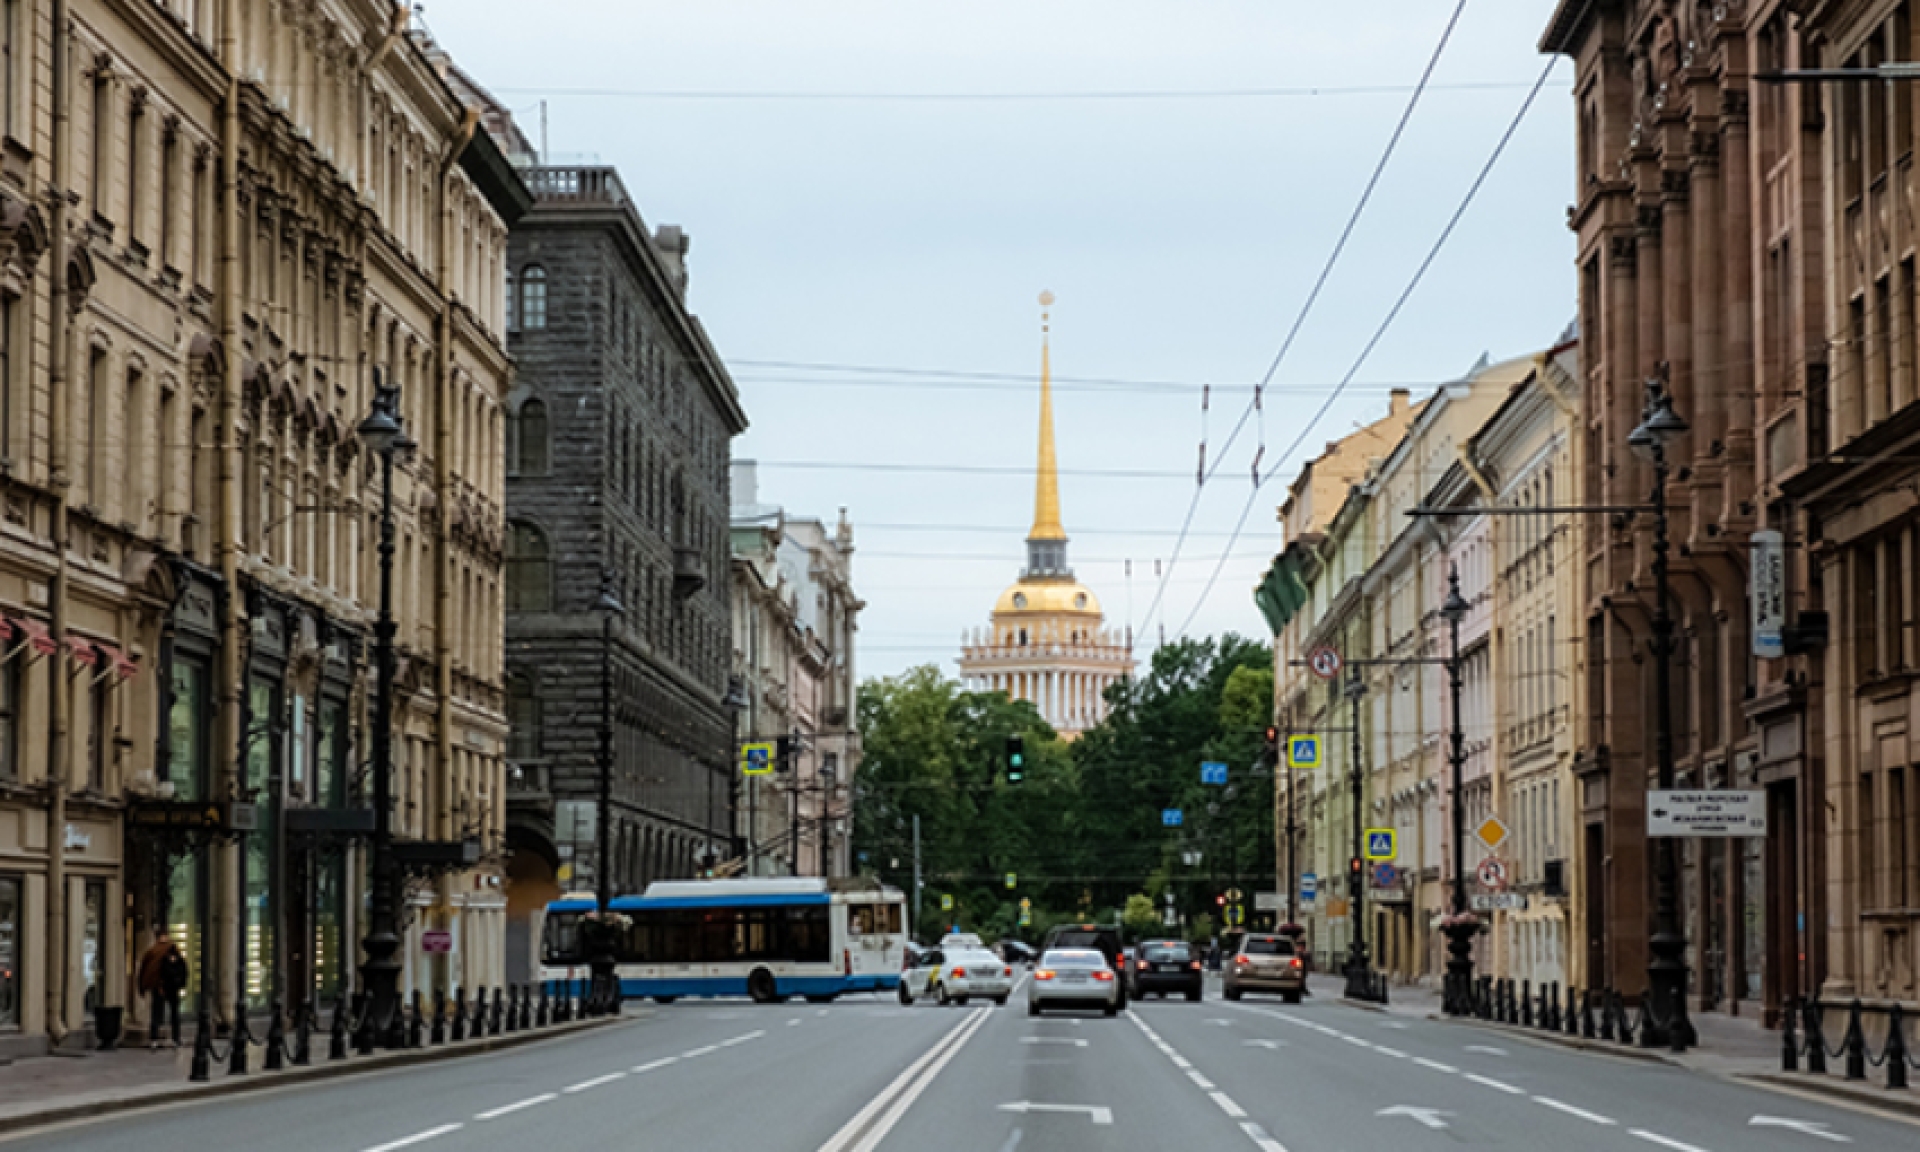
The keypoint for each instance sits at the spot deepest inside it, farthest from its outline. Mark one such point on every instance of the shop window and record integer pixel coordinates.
(186, 730)
(9, 953)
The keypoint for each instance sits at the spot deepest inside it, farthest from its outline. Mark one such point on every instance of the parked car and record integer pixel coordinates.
(1163, 966)
(953, 976)
(1266, 963)
(1102, 938)
(1015, 952)
(1073, 978)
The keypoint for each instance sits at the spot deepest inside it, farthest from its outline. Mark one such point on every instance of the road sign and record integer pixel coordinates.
(1324, 662)
(946, 902)
(1309, 886)
(756, 759)
(1236, 915)
(1381, 844)
(1267, 902)
(1493, 874)
(1385, 876)
(1303, 751)
(1025, 903)
(1171, 817)
(1233, 894)
(1767, 593)
(1719, 812)
(1013, 880)
(1213, 772)
(1497, 902)
(436, 940)
(1492, 832)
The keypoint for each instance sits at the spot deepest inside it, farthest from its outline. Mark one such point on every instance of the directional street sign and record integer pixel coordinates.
(1497, 902)
(1171, 817)
(1492, 832)
(1381, 844)
(1722, 812)
(756, 759)
(1493, 874)
(1325, 662)
(1213, 772)
(1303, 752)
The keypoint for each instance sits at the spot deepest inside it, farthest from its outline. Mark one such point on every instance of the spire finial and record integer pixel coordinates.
(1046, 497)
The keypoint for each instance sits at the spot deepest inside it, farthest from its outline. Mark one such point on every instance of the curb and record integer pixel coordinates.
(1561, 1040)
(294, 1077)
(1883, 1099)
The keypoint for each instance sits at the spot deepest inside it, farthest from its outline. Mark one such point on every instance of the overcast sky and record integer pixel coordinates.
(867, 259)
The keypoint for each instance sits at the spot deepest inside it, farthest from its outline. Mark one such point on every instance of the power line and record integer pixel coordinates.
(1380, 332)
(1011, 96)
(1326, 270)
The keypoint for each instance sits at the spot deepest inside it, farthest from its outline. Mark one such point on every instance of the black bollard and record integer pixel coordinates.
(499, 1010)
(1855, 1043)
(1586, 1013)
(364, 1041)
(1896, 1051)
(417, 1023)
(303, 1035)
(438, 1035)
(459, 1014)
(276, 1040)
(1789, 1044)
(1526, 1003)
(237, 1054)
(540, 1018)
(479, 1017)
(516, 1009)
(526, 1007)
(1606, 1014)
(337, 1035)
(202, 1069)
(1815, 1032)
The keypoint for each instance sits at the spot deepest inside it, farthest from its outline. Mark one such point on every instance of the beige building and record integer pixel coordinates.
(1047, 642)
(223, 219)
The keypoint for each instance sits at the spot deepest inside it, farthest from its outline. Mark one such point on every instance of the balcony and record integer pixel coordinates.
(575, 184)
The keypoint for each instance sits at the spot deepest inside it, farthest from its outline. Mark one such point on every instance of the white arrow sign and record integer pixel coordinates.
(1808, 1127)
(1267, 1044)
(1431, 1117)
(1097, 1115)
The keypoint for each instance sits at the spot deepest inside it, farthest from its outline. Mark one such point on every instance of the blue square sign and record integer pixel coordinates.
(1213, 772)
(1171, 817)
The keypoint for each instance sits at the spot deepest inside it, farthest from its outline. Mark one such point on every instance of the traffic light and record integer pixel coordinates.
(1220, 901)
(1016, 759)
(1273, 745)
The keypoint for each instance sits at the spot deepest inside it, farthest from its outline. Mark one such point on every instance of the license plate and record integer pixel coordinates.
(1169, 967)
(1073, 978)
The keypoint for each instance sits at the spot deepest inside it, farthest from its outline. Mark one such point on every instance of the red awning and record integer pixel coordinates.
(82, 650)
(37, 633)
(115, 657)
(8, 632)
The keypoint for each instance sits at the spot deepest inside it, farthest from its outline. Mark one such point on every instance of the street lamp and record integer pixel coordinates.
(1357, 982)
(1460, 928)
(383, 434)
(1666, 965)
(606, 995)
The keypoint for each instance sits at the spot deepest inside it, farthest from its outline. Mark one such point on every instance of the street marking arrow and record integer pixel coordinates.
(1808, 1127)
(1267, 1044)
(1431, 1117)
(1093, 1113)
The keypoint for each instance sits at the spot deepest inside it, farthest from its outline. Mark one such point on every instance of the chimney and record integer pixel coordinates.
(1397, 401)
(746, 483)
(672, 244)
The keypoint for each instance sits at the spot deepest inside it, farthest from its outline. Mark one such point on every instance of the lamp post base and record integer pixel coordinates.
(1457, 999)
(1359, 974)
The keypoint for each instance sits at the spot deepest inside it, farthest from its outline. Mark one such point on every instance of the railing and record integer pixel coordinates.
(576, 184)
(1894, 1041)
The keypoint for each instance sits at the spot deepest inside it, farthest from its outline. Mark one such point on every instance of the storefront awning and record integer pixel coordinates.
(33, 632)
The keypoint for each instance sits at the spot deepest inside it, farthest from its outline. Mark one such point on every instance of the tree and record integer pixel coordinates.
(1140, 919)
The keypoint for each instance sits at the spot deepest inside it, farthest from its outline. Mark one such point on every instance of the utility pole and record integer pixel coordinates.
(917, 882)
(1293, 873)
(1356, 874)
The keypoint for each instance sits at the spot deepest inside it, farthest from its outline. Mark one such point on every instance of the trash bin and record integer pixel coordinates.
(106, 1027)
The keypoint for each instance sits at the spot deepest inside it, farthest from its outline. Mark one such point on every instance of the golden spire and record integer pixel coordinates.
(1046, 489)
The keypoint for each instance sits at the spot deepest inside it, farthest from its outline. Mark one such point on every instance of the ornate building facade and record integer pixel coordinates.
(1047, 641)
(223, 222)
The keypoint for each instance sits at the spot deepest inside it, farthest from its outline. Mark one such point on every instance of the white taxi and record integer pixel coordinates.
(955, 975)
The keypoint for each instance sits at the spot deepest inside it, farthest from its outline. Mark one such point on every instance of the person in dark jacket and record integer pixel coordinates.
(163, 976)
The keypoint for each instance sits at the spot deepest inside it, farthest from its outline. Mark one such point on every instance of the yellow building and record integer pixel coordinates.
(1048, 642)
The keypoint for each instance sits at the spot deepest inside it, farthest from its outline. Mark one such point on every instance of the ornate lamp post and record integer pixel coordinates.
(606, 991)
(1460, 927)
(1357, 966)
(1666, 966)
(382, 433)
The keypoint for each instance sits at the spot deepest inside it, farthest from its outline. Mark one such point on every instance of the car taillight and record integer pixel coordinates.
(1195, 965)
(1103, 976)
(1120, 964)
(1242, 961)
(1296, 961)
(1006, 971)
(1043, 974)
(960, 973)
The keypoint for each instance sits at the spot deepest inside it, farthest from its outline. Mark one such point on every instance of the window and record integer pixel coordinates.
(10, 719)
(9, 25)
(102, 138)
(9, 313)
(529, 571)
(169, 156)
(136, 126)
(523, 719)
(186, 767)
(99, 735)
(530, 440)
(512, 299)
(9, 951)
(533, 297)
(94, 444)
(329, 762)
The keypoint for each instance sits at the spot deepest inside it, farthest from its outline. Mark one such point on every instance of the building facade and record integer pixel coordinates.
(618, 435)
(225, 222)
(1047, 641)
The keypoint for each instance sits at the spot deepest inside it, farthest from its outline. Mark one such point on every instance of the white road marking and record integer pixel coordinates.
(1093, 1112)
(1260, 1138)
(1395, 1024)
(1431, 1117)
(595, 1082)
(1228, 1106)
(418, 1137)
(1270, 1045)
(1221, 1022)
(1053, 1040)
(660, 1063)
(1486, 1049)
(515, 1107)
(1582, 1113)
(1809, 1127)
(1502, 1085)
(822, 1012)
(864, 1131)
(1357, 1042)
(1202, 1081)
(691, 1053)
(1013, 1141)
(1663, 1141)
(1225, 1102)
(793, 1023)
(1180, 1062)
(1434, 1064)
(1386, 1051)
(742, 1039)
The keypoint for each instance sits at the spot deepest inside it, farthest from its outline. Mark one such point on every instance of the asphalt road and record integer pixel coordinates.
(866, 1074)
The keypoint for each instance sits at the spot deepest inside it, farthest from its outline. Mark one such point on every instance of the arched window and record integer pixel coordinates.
(523, 719)
(529, 570)
(530, 439)
(533, 297)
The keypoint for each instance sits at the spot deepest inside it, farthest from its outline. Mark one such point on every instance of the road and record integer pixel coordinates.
(866, 1074)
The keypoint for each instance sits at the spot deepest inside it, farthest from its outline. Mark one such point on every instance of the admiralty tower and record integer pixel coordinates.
(1047, 641)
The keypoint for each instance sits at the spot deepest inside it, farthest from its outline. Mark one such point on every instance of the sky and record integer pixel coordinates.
(877, 192)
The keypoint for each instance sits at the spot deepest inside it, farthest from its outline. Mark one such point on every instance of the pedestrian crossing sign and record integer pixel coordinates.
(1303, 751)
(1380, 844)
(756, 759)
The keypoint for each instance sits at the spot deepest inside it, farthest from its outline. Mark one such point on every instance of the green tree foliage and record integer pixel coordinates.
(1083, 832)
(1141, 918)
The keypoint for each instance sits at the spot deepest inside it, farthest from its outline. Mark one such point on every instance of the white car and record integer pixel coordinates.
(953, 976)
(954, 940)
(1073, 978)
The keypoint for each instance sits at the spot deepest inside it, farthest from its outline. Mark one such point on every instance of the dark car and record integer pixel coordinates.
(1103, 938)
(1163, 966)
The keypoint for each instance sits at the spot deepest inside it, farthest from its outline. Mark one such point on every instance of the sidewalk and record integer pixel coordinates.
(1731, 1047)
(53, 1089)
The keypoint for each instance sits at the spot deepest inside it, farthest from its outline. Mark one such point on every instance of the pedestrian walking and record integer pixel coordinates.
(163, 977)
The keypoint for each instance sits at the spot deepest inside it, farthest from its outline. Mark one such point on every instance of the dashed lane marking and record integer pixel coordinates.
(653, 1064)
(1582, 1113)
(1663, 1141)
(1435, 1065)
(693, 1052)
(1228, 1106)
(1202, 1081)
(516, 1106)
(742, 1039)
(1386, 1051)
(594, 1083)
(1500, 1085)
(417, 1138)
(1260, 1138)
(1225, 1102)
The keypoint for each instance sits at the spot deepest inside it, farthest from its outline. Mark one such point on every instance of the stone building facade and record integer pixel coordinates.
(221, 220)
(618, 445)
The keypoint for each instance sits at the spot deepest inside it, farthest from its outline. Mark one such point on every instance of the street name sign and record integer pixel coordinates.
(1303, 751)
(1497, 902)
(1381, 844)
(1213, 772)
(1714, 812)
(1324, 662)
(1767, 593)
(756, 759)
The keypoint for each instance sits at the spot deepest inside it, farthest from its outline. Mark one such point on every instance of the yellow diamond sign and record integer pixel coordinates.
(1492, 832)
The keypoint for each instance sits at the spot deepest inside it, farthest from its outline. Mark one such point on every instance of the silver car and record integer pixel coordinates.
(1073, 978)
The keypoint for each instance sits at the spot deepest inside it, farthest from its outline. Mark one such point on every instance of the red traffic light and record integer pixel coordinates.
(1220, 900)
(1355, 865)
(1273, 735)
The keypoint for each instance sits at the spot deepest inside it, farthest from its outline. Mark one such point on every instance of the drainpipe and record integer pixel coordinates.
(227, 527)
(60, 466)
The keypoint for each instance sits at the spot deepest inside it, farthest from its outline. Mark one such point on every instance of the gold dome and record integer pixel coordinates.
(1041, 597)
